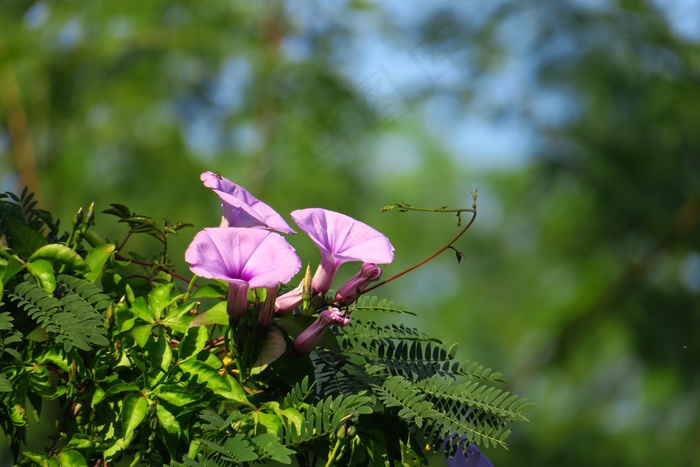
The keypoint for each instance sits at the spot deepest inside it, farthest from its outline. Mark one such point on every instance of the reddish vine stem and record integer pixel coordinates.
(151, 265)
(449, 245)
(217, 342)
(422, 262)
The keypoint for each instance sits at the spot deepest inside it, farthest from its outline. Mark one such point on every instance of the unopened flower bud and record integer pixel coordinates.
(349, 292)
(309, 339)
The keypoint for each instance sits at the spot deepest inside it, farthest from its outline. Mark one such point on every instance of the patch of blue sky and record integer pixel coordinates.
(683, 16)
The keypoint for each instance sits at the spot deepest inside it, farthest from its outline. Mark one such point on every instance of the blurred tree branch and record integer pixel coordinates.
(22, 150)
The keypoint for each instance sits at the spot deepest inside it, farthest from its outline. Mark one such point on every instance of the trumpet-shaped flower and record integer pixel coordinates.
(349, 291)
(340, 239)
(242, 209)
(311, 336)
(244, 258)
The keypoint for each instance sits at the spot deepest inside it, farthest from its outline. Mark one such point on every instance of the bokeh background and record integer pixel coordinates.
(577, 120)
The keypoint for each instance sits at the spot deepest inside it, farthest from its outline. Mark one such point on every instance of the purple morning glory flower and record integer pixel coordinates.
(473, 457)
(240, 208)
(349, 291)
(311, 336)
(244, 258)
(340, 239)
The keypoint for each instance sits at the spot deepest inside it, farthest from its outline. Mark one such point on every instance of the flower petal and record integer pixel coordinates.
(259, 257)
(344, 238)
(240, 208)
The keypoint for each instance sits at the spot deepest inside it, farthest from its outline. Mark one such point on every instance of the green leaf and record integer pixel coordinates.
(159, 355)
(270, 422)
(80, 441)
(23, 239)
(176, 395)
(214, 315)
(96, 259)
(159, 299)
(141, 334)
(194, 342)
(8, 268)
(118, 210)
(41, 459)
(180, 317)
(141, 310)
(271, 446)
(224, 386)
(43, 271)
(71, 458)
(134, 410)
(167, 420)
(112, 389)
(5, 385)
(210, 291)
(62, 255)
(273, 347)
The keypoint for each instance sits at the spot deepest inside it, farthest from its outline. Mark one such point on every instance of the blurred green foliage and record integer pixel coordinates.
(583, 269)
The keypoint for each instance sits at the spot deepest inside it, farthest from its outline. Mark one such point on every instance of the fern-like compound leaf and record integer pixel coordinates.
(375, 304)
(72, 320)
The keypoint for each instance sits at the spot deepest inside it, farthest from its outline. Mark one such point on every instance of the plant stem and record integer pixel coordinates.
(333, 453)
(422, 262)
(158, 266)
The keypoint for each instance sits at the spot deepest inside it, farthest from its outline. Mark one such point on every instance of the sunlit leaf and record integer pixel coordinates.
(43, 271)
(61, 254)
